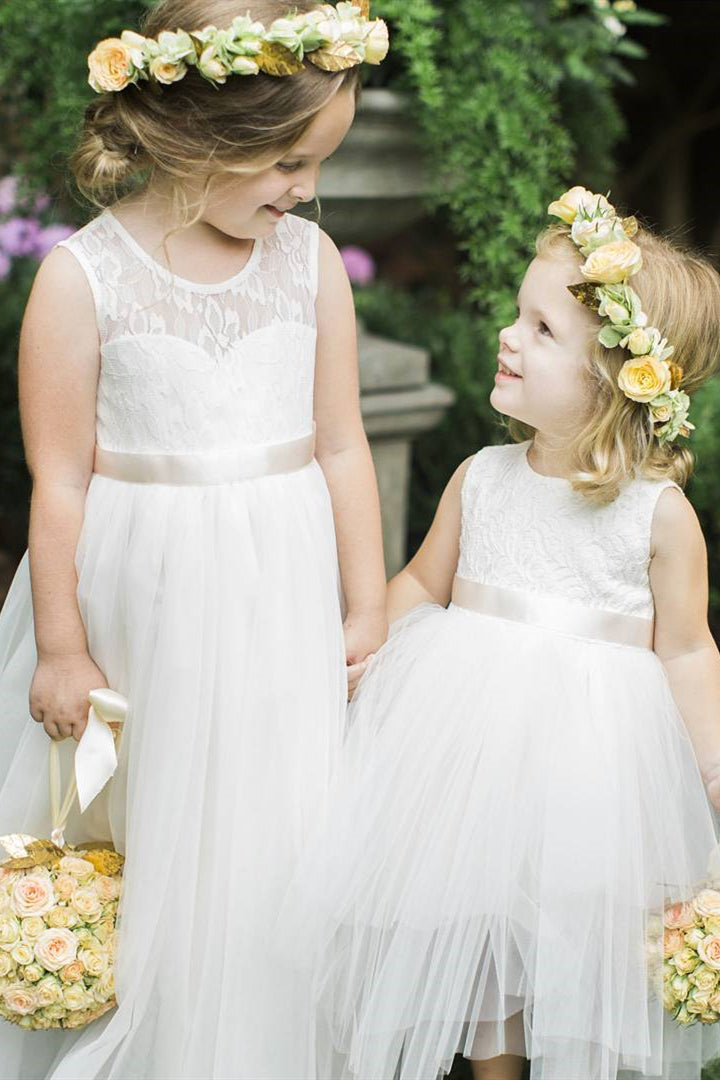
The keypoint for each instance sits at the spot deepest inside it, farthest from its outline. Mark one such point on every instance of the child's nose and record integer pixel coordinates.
(305, 185)
(509, 339)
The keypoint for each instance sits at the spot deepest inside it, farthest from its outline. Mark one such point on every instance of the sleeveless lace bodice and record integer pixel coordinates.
(187, 367)
(528, 532)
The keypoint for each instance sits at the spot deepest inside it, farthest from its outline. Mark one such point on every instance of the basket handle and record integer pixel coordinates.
(95, 760)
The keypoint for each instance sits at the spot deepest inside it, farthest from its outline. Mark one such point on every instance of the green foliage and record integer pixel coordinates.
(703, 490)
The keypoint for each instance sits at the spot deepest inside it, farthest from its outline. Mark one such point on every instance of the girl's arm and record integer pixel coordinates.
(344, 456)
(679, 581)
(428, 577)
(58, 372)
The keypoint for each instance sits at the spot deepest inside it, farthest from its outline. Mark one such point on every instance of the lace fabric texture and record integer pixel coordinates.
(190, 367)
(524, 531)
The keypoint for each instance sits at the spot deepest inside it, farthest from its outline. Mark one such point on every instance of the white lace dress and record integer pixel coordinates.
(515, 799)
(214, 608)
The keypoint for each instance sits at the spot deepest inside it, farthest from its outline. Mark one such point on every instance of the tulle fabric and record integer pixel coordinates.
(513, 804)
(215, 611)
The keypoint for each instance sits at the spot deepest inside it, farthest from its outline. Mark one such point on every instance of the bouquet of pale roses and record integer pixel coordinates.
(691, 964)
(59, 904)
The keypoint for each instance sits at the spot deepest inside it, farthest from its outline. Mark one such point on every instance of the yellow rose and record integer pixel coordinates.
(164, 71)
(704, 977)
(111, 66)
(48, 991)
(76, 997)
(661, 414)
(9, 931)
(567, 206)
(686, 960)
(377, 42)
(644, 379)
(32, 928)
(612, 263)
(96, 960)
(62, 916)
(23, 953)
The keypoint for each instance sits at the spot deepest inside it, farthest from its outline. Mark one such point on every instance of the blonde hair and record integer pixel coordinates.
(191, 128)
(680, 293)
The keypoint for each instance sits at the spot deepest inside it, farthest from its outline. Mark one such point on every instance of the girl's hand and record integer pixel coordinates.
(711, 776)
(59, 693)
(365, 632)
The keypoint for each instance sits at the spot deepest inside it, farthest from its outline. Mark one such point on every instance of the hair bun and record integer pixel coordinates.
(108, 153)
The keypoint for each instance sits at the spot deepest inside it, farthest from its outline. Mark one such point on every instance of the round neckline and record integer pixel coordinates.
(540, 476)
(198, 286)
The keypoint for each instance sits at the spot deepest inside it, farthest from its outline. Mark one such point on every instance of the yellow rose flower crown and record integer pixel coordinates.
(611, 258)
(333, 38)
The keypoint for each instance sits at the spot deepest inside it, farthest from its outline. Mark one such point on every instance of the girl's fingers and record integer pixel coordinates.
(53, 731)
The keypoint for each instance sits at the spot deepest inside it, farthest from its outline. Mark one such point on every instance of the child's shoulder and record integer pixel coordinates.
(494, 460)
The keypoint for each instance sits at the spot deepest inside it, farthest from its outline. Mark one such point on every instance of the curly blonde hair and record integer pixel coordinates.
(680, 293)
(192, 129)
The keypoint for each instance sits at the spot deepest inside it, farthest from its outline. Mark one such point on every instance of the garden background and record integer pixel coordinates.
(513, 101)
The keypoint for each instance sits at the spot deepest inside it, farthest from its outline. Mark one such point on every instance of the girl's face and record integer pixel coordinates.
(542, 364)
(251, 207)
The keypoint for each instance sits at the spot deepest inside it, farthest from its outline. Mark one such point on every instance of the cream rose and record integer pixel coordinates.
(62, 917)
(704, 977)
(679, 916)
(686, 961)
(23, 954)
(32, 927)
(694, 936)
(6, 964)
(661, 414)
(681, 987)
(86, 903)
(166, 72)
(591, 233)
(707, 902)
(104, 988)
(639, 343)
(104, 930)
(244, 65)
(32, 895)
(19, 999)
(56, 948)
(95, 960)
(111, 65)
(613, 262)
(644, 378)
(55, 1012)
(209, 65)
(49, 992)
(76, 997)
(65, 885)
(377, 42)
(567, 206)
(76, 867)
(9, 931)
(709, 951)
(674, 942)
(72, 973)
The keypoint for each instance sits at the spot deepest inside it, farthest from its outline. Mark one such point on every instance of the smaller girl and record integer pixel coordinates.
(522, 787)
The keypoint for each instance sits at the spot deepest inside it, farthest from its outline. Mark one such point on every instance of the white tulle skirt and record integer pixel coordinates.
(512, 807)
(216, 612)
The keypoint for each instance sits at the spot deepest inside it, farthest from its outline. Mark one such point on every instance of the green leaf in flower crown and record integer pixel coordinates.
(586, 294)
(610, 337)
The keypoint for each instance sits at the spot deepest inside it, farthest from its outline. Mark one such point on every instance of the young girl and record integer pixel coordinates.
(519, 793)
(177, 355)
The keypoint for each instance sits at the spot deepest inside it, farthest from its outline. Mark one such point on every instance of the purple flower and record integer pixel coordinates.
(359, 264)
(47, 238)
(5, 264)
(19, 236)
(8, 192)
(41, 203)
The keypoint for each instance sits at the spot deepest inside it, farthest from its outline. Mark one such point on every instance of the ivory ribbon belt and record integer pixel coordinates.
(553, 613)
(242, 463)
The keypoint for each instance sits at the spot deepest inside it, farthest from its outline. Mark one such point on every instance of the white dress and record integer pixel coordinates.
(515, 799)
(214, 608)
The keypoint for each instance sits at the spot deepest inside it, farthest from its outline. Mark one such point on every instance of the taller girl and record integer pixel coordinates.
(177, 354)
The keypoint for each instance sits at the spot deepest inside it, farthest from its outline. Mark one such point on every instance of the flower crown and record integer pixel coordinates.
(610, 259)
(331, 38)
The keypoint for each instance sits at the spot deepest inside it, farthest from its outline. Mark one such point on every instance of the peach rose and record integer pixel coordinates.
(612, 263)
(111, 66)
(673, 942)
(709, 951)
(707, 902)
(679, 916)
(56, 948)
(32, 895)
(73, 972)
(107, 888)
(644, 378)
(166, 72)
(19, 999)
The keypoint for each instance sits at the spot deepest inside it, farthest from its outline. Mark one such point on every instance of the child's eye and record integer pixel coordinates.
(544, 329)
(289, 166)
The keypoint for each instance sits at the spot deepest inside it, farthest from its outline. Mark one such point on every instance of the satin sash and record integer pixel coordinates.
(553, 613)
(243, 463)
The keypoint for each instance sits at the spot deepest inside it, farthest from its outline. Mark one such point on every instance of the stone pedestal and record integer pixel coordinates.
(398, 404)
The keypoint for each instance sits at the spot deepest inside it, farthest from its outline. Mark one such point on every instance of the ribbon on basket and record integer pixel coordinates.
(95, 764)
